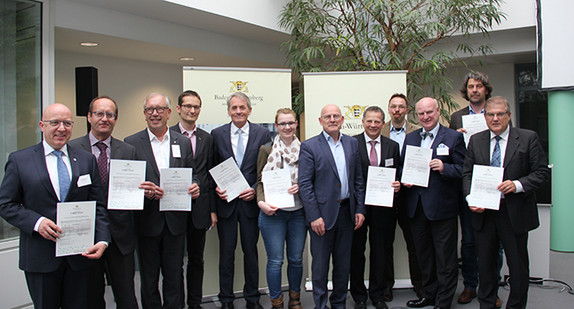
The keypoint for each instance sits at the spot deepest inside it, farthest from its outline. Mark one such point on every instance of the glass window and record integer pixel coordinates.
(20, 82)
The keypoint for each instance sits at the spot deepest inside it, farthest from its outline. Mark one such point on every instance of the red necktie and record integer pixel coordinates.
(103, 162)
(373, 154)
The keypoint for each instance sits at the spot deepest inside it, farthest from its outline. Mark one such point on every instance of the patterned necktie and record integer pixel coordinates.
(186, 134)
(373, 154)
(424, 135)
(103, 162)
(63, 175)
(240, 147)
(495, 161)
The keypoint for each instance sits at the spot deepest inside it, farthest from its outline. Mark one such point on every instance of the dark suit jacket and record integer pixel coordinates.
(122, 226)
(27, 194)
(222, 150)
(440, 199)
(319, 184)
(456, 118)
(524, 161)
(204, 205)
(151, 221)
(389, 150)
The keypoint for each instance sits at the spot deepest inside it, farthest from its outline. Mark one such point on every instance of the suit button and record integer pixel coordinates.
(339, 185)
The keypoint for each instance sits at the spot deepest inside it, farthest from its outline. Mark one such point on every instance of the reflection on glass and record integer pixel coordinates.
(20, 82)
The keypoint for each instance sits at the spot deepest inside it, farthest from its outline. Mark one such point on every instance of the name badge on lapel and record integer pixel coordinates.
(389, 162)
(442, 150)
(84, 180)
(175, 151)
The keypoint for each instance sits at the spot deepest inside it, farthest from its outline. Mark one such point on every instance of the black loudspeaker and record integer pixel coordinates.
(86, 88)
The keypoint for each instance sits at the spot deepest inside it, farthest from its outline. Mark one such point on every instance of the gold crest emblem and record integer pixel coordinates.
(238, 86)
(354, 112)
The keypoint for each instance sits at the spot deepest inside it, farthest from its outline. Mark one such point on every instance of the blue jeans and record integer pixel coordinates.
(284, 227)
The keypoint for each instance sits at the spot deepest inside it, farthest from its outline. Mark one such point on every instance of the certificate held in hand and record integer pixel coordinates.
(483, 187)
(228, 177)
(379, 190)
(78, 223)
(416, 170)
(275, 185)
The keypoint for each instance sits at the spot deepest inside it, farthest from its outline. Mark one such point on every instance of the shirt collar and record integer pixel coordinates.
(94, 140)
(472, 112)
(182, 129)
(434, 130)
(245, 128)
(404, 127)
(368, 139)
(328, 137)
(152, 136)
(48, 149)
(504, 134)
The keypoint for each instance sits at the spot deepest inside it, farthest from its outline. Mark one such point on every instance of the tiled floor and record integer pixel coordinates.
(549, 295)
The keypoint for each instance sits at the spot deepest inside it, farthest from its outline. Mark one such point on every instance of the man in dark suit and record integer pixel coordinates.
(241, 140)
(375, 150)
(433, 209)
(203, 216)
(476, 89)
(397, 129)
(525, 165)
(119, 260)
(36, 179)
(332, 189)
(161, 234)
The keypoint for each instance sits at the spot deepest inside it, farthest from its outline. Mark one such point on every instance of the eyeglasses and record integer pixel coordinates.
(56, 123)
(284, 124)
(100, 115)
(190, 107)
(491, 115)
(334, 117)
(159, 110)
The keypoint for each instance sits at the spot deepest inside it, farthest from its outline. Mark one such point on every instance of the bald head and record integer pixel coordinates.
(428, 113)
(56, 124)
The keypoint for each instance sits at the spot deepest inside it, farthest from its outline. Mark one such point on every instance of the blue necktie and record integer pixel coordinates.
(495, 161)
(240, 148)
(63, 175)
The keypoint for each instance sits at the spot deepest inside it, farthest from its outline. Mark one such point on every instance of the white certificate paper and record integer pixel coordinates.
(275, 185)
(416, 169)
(483, 191)
(175, 183)
(473, 124)
(228, 177)
(125, 177)
(78, 222)
(379, 186)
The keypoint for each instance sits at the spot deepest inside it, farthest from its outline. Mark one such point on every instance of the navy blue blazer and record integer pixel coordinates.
(222, 150)
(319, 182)
(150, 222)
(440, 199)
(26, 194)
(524, 161)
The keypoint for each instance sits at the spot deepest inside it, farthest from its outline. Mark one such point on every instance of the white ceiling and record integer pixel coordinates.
(68, 38)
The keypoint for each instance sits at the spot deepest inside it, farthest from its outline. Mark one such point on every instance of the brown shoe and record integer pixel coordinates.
(294, 300)
(498, 302)
(466, 296)
(277, 303)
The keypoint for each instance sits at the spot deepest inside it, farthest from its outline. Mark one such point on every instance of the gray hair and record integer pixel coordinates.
(498, 100)
(241, 96)
(153, 94)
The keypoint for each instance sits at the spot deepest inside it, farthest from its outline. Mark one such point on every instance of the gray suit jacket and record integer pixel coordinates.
(122, 226)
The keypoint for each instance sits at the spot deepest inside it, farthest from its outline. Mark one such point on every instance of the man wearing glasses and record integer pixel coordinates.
(203, 216)
(119, 260)
(37, 178)
(161, 234)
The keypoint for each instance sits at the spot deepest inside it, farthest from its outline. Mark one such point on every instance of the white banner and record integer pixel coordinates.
(268, 90)
(353, 92)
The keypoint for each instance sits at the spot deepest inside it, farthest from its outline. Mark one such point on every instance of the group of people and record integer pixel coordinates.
(328, 174)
